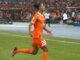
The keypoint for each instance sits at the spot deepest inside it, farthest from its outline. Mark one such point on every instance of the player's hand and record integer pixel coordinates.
(30, 33)
(50, 33)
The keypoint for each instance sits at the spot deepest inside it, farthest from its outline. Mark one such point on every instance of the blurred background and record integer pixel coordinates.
(22, 11)
(64, 22)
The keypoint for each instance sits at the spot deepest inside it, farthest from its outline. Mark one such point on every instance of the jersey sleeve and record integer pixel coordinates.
(34, 18)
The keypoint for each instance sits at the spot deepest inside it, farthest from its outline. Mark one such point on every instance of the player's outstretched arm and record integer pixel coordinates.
(30, 31)
(48, 31)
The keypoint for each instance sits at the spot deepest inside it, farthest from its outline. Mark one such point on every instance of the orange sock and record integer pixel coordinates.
(45, 55)
(24, 51)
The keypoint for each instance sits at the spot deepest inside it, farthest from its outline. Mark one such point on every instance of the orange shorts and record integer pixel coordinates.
(38, 41)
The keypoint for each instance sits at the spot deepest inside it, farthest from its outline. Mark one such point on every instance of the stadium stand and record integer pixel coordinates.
(21, 10)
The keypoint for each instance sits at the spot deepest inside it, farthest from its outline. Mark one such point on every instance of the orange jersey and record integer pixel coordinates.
(38, 21)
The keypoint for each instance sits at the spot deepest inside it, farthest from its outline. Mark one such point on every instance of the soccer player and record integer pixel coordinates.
(47, 17)
(37, 34)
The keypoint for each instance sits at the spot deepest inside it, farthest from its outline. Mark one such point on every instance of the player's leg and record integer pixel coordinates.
(45, 22)
(45, 50)
(28, 51)
(49, 22)
(45, 53)
(35, 50)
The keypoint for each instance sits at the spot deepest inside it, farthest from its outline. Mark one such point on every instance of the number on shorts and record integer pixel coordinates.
(43, 43)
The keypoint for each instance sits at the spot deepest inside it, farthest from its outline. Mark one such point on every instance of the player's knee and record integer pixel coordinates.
(45, 49)
(34, 53)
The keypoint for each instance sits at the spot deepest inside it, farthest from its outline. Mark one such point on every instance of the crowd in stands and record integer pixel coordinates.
(22, 9)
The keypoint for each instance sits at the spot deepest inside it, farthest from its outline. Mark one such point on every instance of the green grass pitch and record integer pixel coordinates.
(59, 48)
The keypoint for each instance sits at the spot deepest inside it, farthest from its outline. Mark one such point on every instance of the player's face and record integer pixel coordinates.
(42, 7)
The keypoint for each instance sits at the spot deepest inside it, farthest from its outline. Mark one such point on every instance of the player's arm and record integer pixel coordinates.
(32, 23)
(30, 29)
(48, 31)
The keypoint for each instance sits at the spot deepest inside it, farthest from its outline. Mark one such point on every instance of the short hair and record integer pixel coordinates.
(37, 6)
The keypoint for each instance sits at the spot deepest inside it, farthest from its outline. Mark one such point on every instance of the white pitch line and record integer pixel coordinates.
(15, 35)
